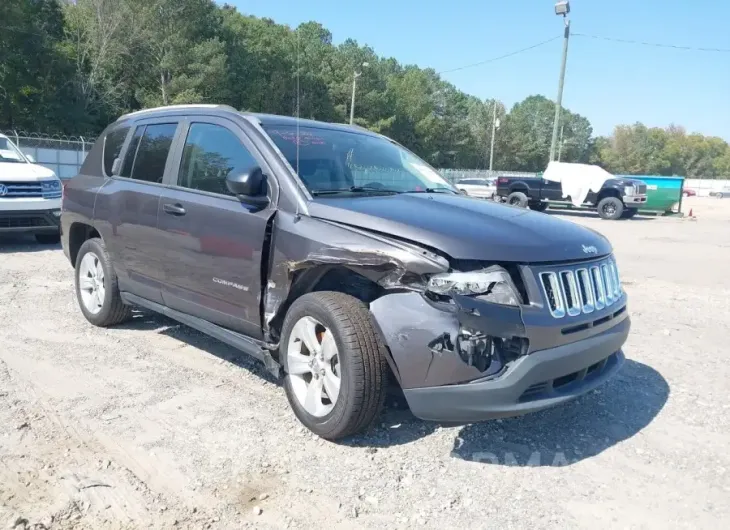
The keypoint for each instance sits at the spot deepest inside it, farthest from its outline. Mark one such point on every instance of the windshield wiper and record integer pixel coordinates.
(433, 190)
(354, 189)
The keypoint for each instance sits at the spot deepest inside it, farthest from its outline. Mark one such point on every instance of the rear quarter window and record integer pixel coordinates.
(113, 147)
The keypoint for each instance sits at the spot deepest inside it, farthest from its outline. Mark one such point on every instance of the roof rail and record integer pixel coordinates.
(172, 107)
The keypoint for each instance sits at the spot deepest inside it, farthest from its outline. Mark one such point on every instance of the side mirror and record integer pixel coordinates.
(30, 158)
(249, 186)
(116, 166)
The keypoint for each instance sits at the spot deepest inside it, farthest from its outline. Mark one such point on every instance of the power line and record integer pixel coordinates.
(501, 56)
(654, 44)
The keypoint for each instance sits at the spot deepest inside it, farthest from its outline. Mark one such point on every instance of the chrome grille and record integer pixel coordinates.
(641, 189)
(47, 189)
(581, 289)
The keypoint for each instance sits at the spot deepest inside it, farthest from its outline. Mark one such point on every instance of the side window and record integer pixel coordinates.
(147, 153)
(211, 153)
(112, 147)
(131, 152)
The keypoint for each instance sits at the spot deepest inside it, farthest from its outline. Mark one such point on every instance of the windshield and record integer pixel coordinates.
(331, 161)
(10, 153)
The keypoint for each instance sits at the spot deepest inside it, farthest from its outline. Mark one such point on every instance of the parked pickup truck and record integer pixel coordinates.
(617, 197)
(341, 260)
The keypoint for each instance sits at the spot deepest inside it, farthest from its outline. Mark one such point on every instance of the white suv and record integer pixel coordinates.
(30, 195)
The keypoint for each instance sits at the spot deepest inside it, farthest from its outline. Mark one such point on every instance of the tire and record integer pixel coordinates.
(629, 213)
(463, 192)
(610, 208)
(111, 310)
(517, 198)
(538, 206)
(719, 195)
(685, 194)
(360, 363)
(48, 239)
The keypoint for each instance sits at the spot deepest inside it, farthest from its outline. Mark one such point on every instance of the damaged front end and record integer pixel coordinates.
(437, 338)
(440, 327)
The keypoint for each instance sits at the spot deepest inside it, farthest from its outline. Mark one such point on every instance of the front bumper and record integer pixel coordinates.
(634, 200)
(542, 361)
(534, 382)
(30, 221)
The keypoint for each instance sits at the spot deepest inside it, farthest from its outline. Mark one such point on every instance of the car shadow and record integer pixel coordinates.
(10, 243)
(149, 321)
(558, 436)
(395, 426)
(567, 434)
(587, 214)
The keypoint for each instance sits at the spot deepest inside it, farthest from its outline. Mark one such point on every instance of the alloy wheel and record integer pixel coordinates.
(313, 366)
(91, 283)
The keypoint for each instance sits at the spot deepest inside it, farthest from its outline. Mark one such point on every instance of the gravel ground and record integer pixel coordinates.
(151, 424)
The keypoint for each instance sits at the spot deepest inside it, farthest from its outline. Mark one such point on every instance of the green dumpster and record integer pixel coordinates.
(663, 194)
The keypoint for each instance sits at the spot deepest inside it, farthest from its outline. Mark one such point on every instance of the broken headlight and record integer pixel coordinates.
(491, 285)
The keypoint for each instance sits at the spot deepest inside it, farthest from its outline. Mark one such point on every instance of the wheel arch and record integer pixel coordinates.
(326, 277)
(79, 233)
(610, 192)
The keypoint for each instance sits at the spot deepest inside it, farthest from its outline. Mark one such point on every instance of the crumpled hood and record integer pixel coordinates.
(21, 172)
(466, 228)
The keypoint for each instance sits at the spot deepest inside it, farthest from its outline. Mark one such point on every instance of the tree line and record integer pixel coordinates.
(73, 66)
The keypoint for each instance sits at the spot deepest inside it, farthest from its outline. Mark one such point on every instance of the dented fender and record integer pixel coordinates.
(298, 243)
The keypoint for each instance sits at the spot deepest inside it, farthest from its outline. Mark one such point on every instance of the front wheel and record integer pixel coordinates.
(336, 372)
(610, 208)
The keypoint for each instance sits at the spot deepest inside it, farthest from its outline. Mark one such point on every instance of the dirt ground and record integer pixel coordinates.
(152, 425)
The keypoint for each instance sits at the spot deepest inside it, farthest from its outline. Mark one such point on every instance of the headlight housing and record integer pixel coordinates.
(629, 190)
(493, 284)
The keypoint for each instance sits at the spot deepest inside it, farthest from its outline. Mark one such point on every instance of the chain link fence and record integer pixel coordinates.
(61, 154)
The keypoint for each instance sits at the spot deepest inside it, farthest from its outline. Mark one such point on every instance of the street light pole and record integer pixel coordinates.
(561, 8)
(494, 129)
(560, 145)
(355, 75)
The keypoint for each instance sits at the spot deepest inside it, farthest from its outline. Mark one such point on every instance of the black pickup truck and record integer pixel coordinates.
(617, 198)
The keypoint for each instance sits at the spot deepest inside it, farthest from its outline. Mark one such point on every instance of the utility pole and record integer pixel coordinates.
(561, 8)
(355, 75)
(560, 146)
(494, 129)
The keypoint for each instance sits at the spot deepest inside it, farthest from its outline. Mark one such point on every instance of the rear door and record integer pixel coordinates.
(213, 241)
(127, 207)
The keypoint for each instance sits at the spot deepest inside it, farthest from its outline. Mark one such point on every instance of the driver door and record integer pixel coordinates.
(214, 242)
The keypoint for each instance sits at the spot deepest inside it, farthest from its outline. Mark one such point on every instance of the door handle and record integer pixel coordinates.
(173, 209)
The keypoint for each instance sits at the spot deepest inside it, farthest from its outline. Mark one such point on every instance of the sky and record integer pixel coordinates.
(608, 82)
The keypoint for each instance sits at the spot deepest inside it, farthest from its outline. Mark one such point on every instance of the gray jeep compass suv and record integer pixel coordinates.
(341, 260)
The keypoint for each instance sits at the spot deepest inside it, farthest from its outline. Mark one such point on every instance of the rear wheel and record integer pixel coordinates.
(336, 373)
(610, 208)
(538, 206)
(96, 286)
(48, 239)
(517, 198)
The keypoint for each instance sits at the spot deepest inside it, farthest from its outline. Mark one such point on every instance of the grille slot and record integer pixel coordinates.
(581, 290)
